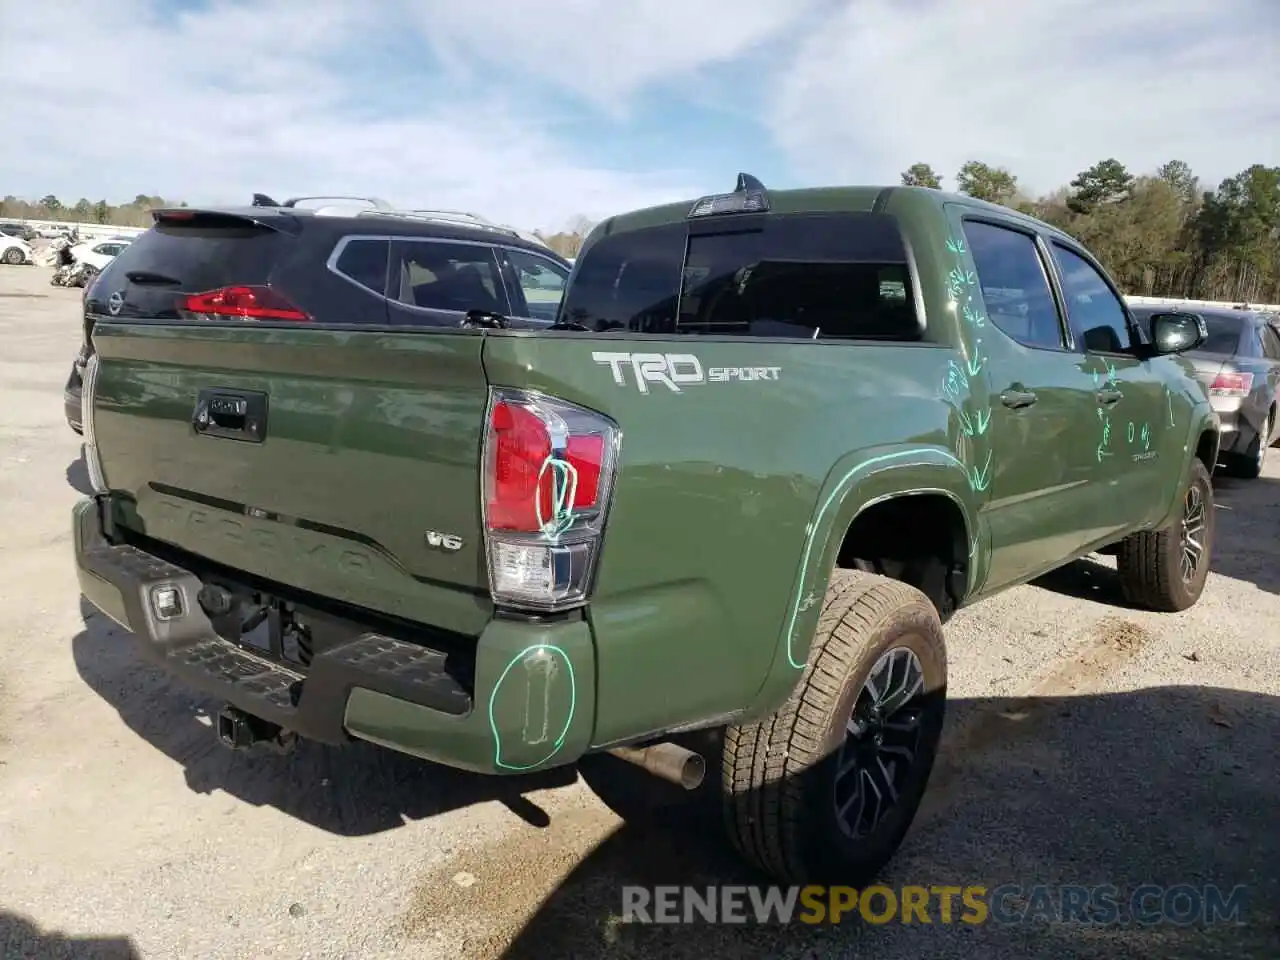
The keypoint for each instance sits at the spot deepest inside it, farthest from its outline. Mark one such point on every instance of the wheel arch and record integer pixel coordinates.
(864, 486)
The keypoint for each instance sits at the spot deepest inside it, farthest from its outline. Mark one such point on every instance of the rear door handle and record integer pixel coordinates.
(1109, 396)
(1016, 399)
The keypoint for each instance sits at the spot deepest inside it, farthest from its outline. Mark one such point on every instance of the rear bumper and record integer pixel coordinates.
(1237, 435)
(532, 706)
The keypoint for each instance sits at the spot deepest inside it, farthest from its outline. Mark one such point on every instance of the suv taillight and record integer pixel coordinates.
(1231, 385)
(548, 470)
(241, 302)
(88, 394)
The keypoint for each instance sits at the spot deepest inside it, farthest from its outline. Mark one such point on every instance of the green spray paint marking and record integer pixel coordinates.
(1129, 433)
(564, 487)
(558, 745)
(981, 480)
(1146, 436)
(984, 421)
(976, 361)
(965, 424)
(954, 383)
(1168, 395)
(1106, 435)
(955, 246)
(811, 533)
(973, 316)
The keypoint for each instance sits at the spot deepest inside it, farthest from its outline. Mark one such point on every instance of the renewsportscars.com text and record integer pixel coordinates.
(1103, 905)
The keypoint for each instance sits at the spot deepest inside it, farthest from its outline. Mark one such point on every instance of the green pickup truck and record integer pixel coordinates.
(770, 443)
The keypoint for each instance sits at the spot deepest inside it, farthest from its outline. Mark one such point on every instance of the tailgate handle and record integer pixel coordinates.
(231, 414)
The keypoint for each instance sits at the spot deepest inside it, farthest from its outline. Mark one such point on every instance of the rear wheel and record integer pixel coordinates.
(1166, 569)
(825, 789)
(13, 256)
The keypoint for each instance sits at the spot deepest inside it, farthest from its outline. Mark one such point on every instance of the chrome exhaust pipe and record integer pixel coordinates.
(670, 761)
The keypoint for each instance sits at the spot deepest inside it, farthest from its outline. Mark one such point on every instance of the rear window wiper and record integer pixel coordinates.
(147, 277)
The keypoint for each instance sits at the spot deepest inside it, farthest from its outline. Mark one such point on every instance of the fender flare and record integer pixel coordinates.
(1203, 420)
(855, 483)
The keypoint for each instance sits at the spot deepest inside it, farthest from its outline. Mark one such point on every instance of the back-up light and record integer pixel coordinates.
(240, 303)
(1231, 385)
(548, 477)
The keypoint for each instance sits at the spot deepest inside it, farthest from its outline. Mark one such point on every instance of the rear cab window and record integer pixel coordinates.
(816, 276)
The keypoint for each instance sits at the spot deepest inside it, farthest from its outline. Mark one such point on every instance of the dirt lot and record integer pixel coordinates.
(1089, 744)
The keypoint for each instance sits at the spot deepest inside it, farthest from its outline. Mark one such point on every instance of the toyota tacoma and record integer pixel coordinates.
(768, 444)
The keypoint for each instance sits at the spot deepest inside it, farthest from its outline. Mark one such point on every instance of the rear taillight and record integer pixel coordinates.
(1231, 385)
(548, 477)
(241, 303)
(88, 394)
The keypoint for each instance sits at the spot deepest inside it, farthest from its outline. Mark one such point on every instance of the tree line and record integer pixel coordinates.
(137, 213)
(1158, 235)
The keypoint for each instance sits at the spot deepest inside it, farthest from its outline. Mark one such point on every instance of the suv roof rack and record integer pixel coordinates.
(458, 217)
(376, 202)
(377, 207)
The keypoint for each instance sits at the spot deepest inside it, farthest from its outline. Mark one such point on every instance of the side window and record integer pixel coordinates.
(1270, 342)
(438, 275)
(364, 261)
(1015, 286)
(541, 282)
(1096, 314)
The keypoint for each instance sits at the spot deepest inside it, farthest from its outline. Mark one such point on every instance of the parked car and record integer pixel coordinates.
(99, 253)
(355, 261)
(15, 250)
(1239, 363)
(12, 228)
(769, 443)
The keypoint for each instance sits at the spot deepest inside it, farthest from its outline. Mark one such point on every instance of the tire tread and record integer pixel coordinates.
(762, 761)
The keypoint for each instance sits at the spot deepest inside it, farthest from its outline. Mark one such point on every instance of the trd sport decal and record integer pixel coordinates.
(675, 370)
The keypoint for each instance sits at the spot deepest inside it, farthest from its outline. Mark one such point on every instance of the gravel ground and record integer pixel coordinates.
(1088, 744)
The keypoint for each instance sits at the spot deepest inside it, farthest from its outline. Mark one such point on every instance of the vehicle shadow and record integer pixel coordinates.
(1246, 548)
(1168, 786)
(78, 476)
(20, 938)
(355, 790)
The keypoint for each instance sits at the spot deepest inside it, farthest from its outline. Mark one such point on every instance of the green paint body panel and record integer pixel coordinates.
(730, 504)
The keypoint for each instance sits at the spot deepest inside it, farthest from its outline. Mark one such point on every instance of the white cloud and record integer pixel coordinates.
(304, 96)
(111, 99)
(1046, 88)
(606, 51)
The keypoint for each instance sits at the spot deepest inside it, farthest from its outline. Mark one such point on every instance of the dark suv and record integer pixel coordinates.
(354, 262)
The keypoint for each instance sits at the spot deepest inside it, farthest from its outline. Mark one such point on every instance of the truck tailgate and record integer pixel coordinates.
(360, 481)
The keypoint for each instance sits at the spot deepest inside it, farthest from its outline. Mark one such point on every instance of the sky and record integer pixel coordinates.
(539, 112)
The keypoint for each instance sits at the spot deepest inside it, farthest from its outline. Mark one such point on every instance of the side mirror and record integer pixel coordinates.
(1177, 332)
